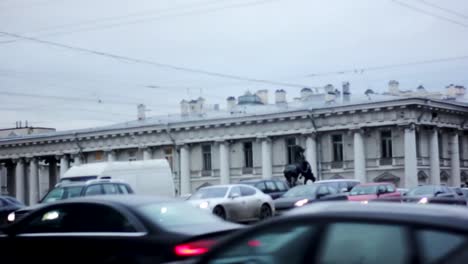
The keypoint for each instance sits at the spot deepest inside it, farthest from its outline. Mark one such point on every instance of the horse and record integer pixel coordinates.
(293, 171)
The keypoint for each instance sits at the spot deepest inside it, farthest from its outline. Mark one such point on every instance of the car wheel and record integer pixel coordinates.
(219, 211)
(265, 212)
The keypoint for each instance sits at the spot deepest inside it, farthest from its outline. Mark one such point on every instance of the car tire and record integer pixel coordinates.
(220, 212)
(265, 212)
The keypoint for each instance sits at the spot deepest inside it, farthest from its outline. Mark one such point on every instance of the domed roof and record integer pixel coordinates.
(249, 98)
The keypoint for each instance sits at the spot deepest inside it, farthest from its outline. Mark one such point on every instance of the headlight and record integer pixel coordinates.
(301, 202)
(11, 217)
(365, 202)
(423, 200)
(204, 205)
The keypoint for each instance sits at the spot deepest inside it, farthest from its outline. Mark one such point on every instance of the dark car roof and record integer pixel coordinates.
(450, 216)
(258, 180)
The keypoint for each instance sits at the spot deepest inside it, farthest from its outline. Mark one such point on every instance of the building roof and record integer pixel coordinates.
(246, 110)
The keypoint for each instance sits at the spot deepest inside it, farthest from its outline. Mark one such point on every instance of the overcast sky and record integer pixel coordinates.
(277, 40)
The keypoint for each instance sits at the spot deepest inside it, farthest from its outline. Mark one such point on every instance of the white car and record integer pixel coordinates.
(234, 202)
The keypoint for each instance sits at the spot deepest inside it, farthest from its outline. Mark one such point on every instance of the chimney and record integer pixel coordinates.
(141, 112)
(330, 94)
(184, 107)
(26, 123)
(231, 103)
(306, 93)
(393, 87)
(193, 106)
(346, 92)
(200, 109)
(263, 95)
(280, 96)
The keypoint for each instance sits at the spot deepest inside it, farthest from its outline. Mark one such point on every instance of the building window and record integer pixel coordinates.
(132, 155)
(206, 152)
(168, 156)
(418, 144)
(337, 143)
(99, 155)
(248, 155)
(386, 151)
(440, 141)
(291, 150)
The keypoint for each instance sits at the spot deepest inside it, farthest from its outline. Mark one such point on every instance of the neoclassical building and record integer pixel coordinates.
(408, 139)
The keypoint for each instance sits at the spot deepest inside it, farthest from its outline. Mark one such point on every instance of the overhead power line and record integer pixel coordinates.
(453, 12)
(152, 18)
(388, 66)
(419, 10)
(156, 64)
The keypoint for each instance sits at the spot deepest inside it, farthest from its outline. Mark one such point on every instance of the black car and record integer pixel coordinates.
(342, 185)
(305, 194)
(68, 190)
(345, 232)
(112, 229)
(274, 188)
(8, 205)
(433, 194)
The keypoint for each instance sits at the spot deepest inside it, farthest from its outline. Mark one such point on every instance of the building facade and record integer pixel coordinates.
(409, 141)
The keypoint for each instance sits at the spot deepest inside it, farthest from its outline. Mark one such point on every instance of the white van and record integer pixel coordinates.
(147, 177)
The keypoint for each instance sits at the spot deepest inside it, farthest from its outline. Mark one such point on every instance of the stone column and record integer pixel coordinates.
(455, 161)
(185, 184)
(147, 154)
(359, 157)
(110, 156)
(311, 153)
(63, 165)
(33, 181)
(267, 165)
(3, 179)
(411, 172)
(434, 157)
(20, 180)
(224, 174)
(77, 160)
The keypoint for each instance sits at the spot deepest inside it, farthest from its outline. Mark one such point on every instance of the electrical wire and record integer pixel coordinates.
(156, 64)
(388, 66)
(138, 21)
(453, 12)
(419, 10)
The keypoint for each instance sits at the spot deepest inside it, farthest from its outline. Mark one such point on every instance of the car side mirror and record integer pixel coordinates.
(438, 193)
(235, 195)
(320, 195)
(344, 190)
(380, 191)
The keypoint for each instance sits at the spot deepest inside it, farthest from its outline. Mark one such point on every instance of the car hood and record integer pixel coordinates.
(363, 197)
(288, 202)
(206, 229)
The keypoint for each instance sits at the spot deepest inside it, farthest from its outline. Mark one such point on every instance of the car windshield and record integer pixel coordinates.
(176, 214)
(300, 191)
(364, 189)
(206, 193)
(423, 190)
(61, 193)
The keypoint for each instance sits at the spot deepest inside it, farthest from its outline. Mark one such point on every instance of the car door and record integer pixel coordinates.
(272, 189)
(234, 204)
(99, 232)
(253, 202)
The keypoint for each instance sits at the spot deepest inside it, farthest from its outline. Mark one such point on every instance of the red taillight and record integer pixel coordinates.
(254, 243)
(194, 248)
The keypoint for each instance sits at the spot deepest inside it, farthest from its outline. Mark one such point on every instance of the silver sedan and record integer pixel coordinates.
(234, 202)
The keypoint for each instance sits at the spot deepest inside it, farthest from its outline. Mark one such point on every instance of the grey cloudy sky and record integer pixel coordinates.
(278, 40)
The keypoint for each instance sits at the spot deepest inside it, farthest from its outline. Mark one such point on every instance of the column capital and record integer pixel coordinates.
(313, 134)
(264, 138)
(407, 126)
